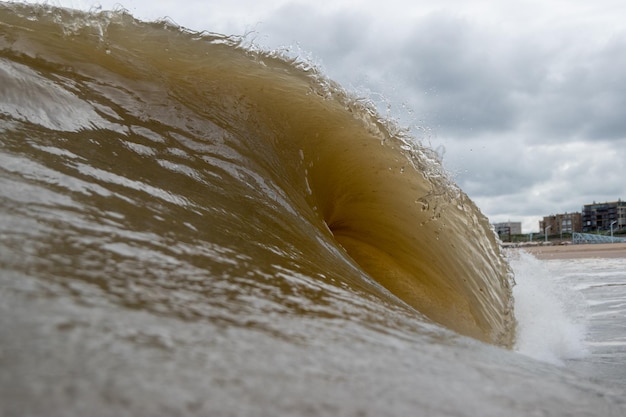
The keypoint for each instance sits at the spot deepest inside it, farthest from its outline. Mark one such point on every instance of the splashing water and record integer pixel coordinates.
(550, 313)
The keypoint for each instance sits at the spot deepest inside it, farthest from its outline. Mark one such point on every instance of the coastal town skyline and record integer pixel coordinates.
(594, 217)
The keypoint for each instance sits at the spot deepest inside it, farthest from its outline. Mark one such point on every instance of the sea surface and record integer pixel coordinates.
(190, 225)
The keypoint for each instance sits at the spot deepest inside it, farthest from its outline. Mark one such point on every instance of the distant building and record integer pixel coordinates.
(506, 229)
(557, 224)
(600, 216)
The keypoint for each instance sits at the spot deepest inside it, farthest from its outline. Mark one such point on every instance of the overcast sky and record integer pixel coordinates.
(525, 100)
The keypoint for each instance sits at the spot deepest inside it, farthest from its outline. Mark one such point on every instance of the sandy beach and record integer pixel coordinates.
(598, 250)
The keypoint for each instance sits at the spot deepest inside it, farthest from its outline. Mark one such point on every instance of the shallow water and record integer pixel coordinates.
(75, 352)
(601, 284)
(191, 227)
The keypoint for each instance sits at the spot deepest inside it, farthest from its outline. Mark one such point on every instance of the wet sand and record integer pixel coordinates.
(598, 250)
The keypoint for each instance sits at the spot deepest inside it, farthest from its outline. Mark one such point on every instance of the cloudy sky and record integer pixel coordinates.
(525, 100)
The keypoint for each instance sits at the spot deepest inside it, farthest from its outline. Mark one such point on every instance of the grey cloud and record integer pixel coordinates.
(466, 84)
(332, 37)
(480, 81)
(547, 179)
(486, 170)
(585, 96)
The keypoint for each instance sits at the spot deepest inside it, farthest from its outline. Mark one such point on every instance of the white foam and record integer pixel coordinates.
(550, 313)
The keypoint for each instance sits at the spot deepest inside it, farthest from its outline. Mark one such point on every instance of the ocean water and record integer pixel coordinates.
(586, 301)
(191, 226)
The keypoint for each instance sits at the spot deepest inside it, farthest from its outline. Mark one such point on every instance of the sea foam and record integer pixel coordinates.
(549, 312)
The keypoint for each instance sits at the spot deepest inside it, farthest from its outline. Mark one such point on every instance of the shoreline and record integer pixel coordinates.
(575, 251)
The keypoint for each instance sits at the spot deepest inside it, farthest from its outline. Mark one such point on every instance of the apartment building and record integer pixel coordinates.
(604, 216)
(557, 224)
(506, 229)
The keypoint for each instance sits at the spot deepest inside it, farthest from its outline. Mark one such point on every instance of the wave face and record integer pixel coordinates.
(124, 139)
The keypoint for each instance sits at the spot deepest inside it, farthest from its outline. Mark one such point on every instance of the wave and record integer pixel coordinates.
(195, 139)
(192, 226)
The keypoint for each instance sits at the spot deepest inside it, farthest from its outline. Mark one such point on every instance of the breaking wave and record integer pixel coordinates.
(241, 168)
